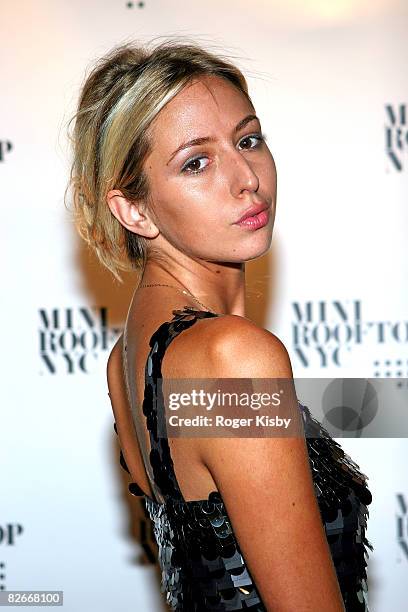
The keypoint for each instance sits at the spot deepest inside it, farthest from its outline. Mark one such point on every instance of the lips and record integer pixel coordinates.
(255, 209)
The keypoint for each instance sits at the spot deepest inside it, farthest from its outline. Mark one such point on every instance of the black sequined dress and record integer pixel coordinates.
(202, 566)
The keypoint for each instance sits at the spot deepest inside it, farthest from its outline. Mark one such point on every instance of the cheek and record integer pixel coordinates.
(271, 171)
(182, 212)
(188, 200)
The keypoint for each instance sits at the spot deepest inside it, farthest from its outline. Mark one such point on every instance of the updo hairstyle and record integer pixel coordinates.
(122, 94)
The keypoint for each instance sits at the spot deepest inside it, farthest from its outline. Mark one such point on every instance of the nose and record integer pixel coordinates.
(243, 175)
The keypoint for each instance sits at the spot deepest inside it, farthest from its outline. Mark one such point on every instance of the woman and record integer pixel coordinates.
(172, 177)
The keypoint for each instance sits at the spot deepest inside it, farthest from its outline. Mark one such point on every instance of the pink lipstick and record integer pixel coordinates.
(255, 221)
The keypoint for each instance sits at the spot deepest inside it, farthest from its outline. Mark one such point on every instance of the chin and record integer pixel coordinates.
(258, 248)
(256, 251)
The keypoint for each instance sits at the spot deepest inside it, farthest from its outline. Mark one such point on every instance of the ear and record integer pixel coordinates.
(131, 214)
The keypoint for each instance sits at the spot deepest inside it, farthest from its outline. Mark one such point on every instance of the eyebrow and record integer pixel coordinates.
(205, 139)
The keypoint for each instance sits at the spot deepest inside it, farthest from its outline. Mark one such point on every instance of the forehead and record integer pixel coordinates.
(206, 103)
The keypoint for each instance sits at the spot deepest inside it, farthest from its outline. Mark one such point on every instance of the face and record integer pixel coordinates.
(199, 190)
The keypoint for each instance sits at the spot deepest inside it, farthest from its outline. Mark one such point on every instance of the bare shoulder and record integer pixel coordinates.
(243, 348)
(228, 346)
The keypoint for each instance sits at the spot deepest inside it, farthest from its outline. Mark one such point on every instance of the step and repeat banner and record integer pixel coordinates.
(329, 82)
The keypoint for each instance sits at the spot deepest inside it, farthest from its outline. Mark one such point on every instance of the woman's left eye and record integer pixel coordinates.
(258, 138)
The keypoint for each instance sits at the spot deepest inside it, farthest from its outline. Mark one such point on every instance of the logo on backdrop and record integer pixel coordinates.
(402, 524)
(396, 134)
(9, 536)
(72, 339)
(5, 148)
(131, 5)
(9, 533)
(325, 332)
(2, 576)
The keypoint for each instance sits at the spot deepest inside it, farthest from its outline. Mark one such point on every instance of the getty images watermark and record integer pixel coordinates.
(230, 407)
(201, 399)
(269, 407)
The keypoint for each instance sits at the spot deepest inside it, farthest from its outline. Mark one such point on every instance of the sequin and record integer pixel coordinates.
(202, 566)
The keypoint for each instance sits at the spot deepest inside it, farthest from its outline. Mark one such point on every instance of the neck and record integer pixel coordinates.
(220, 286)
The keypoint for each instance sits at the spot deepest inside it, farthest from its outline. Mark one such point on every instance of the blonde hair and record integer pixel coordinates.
(119, 99)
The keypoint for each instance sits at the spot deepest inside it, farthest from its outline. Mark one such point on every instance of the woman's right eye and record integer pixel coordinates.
(193, 166)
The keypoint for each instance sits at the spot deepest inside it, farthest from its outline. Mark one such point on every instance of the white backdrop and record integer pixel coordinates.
(330, 85)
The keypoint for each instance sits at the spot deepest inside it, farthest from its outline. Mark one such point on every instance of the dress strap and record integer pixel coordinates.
(165, 483)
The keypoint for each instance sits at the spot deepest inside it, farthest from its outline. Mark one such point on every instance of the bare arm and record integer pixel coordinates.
(267, 486)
